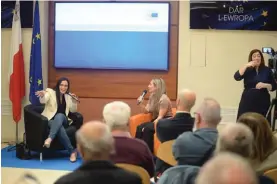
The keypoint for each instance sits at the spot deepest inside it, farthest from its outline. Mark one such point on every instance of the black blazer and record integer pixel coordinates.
(99, 172)
(170, 129)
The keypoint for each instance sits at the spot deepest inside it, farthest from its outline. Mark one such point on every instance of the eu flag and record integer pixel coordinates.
(35, 76)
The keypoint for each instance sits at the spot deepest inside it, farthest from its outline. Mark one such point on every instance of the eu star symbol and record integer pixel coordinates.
(265, 13)
(38, 36)
(39, 81)
(33, 41)
(31, 79)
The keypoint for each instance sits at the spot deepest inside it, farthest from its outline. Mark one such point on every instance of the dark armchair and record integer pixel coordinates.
(36, 128)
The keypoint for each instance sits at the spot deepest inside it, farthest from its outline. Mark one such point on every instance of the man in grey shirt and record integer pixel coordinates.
(195, 148)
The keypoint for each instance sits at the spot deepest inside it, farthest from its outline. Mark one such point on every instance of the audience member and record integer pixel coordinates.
(226, 168)
(128, 150)
(264, 155)
(195, 148)
(95, 144)
(159, 105)
(238, 138)
(169, 129)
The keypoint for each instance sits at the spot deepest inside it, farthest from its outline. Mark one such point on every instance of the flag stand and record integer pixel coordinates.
(16, 139)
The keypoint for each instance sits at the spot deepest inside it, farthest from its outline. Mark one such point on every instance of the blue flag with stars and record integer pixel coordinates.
(35, 76)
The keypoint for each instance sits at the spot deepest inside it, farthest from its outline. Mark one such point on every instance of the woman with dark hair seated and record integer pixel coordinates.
(58, 104)
(264, 156)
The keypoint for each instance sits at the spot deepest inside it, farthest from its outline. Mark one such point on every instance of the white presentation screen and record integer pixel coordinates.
(112, 35)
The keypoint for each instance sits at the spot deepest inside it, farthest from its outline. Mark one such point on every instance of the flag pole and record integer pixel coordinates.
(16, 139)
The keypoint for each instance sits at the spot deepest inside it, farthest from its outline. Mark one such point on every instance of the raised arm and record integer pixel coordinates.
(43, 96)
(239, 75)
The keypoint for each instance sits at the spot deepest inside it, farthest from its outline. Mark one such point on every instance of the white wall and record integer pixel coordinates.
(207, 62)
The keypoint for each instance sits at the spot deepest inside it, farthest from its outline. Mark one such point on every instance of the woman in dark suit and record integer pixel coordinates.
(258, 80)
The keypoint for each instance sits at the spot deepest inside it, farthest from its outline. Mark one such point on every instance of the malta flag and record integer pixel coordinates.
(17, 74)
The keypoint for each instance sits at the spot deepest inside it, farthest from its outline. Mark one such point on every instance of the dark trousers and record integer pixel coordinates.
(146, 132)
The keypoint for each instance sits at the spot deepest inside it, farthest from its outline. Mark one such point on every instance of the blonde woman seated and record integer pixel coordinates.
(265, 143)
(159, 105)
(57, 106)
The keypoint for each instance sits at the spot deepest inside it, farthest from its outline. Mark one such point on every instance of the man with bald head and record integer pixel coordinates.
(227, 168)
(169, 129)
(95, 144)
(195, 148)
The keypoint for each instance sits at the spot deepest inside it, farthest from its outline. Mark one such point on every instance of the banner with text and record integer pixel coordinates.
(234, 15)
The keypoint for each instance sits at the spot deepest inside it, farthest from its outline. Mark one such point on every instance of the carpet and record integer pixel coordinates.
(52, 160)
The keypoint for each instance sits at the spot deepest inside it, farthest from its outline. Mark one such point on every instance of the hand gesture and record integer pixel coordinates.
(74, 97)
(40, 93)
(140, 99)
(251, 64)
(260, 85)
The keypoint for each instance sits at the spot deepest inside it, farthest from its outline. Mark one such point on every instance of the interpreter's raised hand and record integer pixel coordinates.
(40, 93)
(251, 64)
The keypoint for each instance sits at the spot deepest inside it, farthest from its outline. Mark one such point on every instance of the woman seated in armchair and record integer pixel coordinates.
(159, 105)
(58, 104)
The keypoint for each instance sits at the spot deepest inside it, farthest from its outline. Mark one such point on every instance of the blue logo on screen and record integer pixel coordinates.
(154, 15)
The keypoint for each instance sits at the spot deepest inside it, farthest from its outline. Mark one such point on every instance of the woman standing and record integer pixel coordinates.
(159, 106)
(258, 80)
(57, 106)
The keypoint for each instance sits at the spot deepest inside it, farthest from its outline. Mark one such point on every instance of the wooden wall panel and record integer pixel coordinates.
(91, 108)
(116, 84)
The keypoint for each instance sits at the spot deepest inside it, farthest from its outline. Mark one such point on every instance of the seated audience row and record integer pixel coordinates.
(95, 144)
(235, 138)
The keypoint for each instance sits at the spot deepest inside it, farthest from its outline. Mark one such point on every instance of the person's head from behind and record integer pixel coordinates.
(157, 86)
(185, 100)
(256, 56)
(95, 141)
(236, 138)
(264, 140)
(62, 86)
(227, 168)
(117, 115)
(208, 114)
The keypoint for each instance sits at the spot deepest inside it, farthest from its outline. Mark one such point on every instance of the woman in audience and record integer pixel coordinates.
(264, 156)
(57, 106)
(258, 80)
(159, 105)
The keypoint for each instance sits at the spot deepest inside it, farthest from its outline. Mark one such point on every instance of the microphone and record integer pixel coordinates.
(75, 98)
(142, 96)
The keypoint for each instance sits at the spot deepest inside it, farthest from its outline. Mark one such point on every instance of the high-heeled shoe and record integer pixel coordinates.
(47, 143)
(73, 157)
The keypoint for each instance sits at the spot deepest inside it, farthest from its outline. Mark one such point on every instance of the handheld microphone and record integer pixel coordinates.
(142, 96)
(75, 98)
